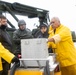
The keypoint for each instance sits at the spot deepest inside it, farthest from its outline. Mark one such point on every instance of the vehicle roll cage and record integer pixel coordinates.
(24, 10)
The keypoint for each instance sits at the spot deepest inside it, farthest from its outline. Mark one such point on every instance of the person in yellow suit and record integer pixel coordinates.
(6, 55)
(60, 39)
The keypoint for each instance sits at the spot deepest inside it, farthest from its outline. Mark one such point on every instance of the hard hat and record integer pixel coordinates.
(21, 22)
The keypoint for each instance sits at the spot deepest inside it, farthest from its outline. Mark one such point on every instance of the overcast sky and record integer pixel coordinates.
(64, 9)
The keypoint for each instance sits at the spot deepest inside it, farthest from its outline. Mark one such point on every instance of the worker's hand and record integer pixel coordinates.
(15, 59)
(50, 40)
(19, 55)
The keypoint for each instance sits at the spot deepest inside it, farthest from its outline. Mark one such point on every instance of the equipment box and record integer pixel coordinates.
(34, 51)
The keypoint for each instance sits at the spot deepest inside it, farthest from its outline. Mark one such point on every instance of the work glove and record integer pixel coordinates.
(16, 64)
(15, 59)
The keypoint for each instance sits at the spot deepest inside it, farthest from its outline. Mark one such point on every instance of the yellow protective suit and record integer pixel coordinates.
(64, 46)
(6, 55)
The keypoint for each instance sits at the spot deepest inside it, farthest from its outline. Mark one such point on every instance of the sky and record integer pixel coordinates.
(64, 9)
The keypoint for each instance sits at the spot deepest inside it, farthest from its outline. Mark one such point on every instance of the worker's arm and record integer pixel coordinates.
(6, 55)
(60, 36)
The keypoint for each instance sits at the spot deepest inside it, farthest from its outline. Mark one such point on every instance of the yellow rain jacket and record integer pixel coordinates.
(6, 55)
(64, 46)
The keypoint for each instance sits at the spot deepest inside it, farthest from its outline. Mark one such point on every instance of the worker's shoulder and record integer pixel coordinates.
(65, 27)
(28, 30)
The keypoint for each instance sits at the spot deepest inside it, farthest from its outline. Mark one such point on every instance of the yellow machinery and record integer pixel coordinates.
(32, 72)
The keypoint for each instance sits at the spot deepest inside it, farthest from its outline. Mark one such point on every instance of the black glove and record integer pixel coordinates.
(15, 59)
